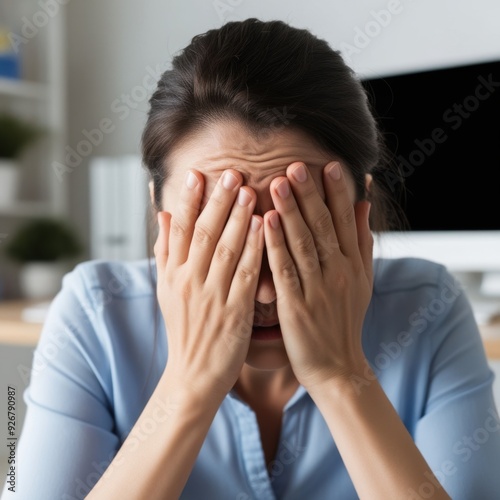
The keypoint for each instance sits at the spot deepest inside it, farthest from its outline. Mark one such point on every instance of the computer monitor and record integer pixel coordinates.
(443, 128)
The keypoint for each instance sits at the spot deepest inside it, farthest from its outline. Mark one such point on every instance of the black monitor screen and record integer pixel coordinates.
(443, 128)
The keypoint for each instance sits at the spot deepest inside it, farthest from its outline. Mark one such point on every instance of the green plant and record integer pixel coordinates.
(16, 135)
(43, 239)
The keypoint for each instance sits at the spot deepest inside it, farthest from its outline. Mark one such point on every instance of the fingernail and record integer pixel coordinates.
(191, 180)
(300, 174)
(244, 198)
(229, 181)
(274, 219)
(334, 172)
(255, 224)
(283, 189)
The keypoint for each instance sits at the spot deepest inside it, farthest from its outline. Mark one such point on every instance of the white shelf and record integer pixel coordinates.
(26, 209)
(23, 89)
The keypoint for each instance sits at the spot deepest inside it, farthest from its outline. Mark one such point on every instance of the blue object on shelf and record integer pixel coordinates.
(9, 66)
(9, 59)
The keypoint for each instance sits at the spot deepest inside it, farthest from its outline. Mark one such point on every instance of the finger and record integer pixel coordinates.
(365, 236)
(161, 245)
(314, 211)
(246, 275)
(285, 276)
(212, 220)
(340, 206)
(299, 239)
(230, 245)
(184, 217)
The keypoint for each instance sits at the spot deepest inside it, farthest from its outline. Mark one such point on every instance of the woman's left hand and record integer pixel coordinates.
(321, 259)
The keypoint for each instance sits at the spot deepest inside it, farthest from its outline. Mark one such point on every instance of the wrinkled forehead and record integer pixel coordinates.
(259, 157)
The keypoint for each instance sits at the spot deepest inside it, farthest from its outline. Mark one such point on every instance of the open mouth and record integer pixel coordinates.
(271, 332)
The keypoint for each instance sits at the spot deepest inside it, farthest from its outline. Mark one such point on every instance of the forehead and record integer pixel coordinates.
(257, 156)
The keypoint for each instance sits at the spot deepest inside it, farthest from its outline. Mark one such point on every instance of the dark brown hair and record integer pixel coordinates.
(253, 71)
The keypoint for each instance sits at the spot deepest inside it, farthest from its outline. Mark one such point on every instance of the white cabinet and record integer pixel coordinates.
(119, 208)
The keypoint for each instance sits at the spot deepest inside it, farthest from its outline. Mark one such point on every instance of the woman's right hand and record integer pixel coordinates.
(208, 266)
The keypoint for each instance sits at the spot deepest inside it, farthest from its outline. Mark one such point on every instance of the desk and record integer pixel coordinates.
(14, 331)
(491, 339)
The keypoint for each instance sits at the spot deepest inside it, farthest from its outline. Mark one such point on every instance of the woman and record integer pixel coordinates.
(282, 361)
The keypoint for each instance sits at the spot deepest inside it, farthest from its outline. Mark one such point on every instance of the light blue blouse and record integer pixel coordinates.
(99, 360)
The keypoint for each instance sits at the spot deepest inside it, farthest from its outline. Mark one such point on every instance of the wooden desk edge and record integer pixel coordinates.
(19, 334)
(492, 348)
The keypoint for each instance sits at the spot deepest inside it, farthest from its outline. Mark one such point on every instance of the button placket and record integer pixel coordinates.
(253, 454)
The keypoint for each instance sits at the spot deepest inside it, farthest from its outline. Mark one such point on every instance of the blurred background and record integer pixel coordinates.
(75, 79)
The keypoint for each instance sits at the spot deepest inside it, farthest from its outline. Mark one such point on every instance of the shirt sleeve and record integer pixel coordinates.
(459, 432)
(67, 439)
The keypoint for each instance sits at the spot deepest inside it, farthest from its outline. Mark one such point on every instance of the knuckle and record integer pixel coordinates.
(305, 244)
(323, 223)
(287, 271)
(347, 216)
(224, 253)
(327, 247)
(202, 235)
(247, 275)
(177, 229)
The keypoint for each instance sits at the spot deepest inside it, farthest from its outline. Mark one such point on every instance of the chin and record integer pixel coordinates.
(267, 356)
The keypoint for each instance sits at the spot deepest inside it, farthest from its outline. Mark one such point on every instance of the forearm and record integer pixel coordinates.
(158, 455)
(379, 453)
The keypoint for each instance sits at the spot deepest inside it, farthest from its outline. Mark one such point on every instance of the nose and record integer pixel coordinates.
(266, 293)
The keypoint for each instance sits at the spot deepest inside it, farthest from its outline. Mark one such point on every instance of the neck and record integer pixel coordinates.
(255, 384)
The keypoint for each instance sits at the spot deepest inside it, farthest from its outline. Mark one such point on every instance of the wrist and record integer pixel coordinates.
(344, 383)
(192, 396)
